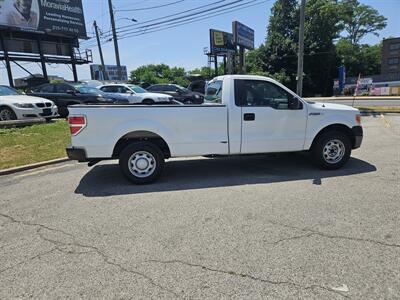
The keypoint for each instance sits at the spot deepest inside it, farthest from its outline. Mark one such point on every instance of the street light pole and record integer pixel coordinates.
(300, 61)
(115, 39)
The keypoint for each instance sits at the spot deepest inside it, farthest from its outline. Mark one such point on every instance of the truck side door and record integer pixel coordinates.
(270, 120)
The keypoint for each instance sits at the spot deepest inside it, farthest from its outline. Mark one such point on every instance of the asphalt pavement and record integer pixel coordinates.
(254, 227)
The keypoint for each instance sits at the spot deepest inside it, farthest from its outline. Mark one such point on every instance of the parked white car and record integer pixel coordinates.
(250, 114)
(14, 106)
(135, 94)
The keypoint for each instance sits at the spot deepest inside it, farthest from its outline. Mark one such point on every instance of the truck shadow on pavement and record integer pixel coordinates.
(107, 180)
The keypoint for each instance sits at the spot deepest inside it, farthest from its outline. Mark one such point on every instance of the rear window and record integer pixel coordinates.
(214, 92)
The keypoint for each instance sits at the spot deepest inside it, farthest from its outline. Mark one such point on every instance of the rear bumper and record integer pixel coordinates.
(76, 154)
(358, 136)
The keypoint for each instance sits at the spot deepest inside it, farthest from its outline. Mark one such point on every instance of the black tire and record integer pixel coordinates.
(147, 153)
(148, 101)
(63, 111)
(7, 114)
(331, 143)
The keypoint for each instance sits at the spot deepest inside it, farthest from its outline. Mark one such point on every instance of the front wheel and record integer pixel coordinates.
(141, 162)
(331, 150)
(7, 114)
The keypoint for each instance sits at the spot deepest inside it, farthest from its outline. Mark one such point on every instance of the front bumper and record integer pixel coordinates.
(358, 136)
(76, 154)
(26, 113)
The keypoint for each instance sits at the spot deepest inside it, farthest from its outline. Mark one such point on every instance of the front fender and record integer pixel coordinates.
(315, 126)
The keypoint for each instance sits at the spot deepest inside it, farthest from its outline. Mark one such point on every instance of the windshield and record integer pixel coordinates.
(214, 92)
(7, 91)
(88, 90)
(136, 89)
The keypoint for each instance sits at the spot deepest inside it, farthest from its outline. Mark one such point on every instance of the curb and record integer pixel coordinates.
(33, 166)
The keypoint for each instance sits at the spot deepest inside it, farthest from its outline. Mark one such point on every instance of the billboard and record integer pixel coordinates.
(221, 42)
(111, 71)
(243, 35)
(57, 17)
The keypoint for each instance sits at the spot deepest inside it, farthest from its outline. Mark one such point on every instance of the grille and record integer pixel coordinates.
(48, 104)
(40, 104)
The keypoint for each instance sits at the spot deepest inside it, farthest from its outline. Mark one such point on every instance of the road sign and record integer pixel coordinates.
(243, 35)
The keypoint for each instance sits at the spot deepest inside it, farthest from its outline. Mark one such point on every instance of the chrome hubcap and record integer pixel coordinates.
(142, 164)
(5, 115)
(334, 151)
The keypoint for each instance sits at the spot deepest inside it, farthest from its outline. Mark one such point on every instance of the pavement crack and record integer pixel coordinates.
(312, 232)
(27, 260)
(13, 220)
(248, 276)
(63, 246)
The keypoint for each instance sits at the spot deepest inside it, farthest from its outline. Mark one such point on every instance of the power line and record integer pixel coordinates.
(167, 16)
(193, 19)
(180, 19)
(152, 7)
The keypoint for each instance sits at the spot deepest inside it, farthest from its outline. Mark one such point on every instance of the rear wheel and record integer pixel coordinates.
(331, 150)
(7, 114)
(141, 162)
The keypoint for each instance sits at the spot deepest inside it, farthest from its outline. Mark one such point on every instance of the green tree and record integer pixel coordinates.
(160, 73)
(358, 20)
(359, 59)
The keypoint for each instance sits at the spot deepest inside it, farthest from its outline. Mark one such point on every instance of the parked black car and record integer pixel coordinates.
(179, 93)
(64, 94)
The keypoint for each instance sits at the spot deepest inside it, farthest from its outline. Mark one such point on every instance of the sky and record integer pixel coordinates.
(179, 46)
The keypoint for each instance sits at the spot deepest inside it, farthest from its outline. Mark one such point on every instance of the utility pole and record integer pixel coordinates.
(103, 68)
(300, 60)
(115, 39)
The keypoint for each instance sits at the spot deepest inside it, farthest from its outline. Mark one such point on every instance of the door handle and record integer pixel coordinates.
(249, 117)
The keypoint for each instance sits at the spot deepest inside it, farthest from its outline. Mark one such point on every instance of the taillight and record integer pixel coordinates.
(76, 124)
(358, 119)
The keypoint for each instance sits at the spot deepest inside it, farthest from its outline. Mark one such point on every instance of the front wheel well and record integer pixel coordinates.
(140, 136)
(336, 127)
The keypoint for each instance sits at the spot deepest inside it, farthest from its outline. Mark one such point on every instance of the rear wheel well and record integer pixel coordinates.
(140, 136)
(336, 127)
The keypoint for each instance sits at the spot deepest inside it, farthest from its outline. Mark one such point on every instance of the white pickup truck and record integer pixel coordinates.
(245, 114)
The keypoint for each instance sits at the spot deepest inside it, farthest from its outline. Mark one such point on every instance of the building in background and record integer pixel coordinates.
(385, 84)
(390, 62)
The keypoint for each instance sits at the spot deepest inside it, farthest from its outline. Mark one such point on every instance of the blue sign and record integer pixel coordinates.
(243, 35)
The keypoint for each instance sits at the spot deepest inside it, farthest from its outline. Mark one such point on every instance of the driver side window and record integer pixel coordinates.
(261, 93)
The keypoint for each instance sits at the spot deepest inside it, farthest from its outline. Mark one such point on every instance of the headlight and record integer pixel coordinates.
(23, 105)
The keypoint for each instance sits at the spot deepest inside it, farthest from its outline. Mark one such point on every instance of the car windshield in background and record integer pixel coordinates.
(214, 92)
(88, 90)
(7, 91)
(137, 89)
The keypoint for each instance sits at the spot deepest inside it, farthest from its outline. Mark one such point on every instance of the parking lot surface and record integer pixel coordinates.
(255, 227)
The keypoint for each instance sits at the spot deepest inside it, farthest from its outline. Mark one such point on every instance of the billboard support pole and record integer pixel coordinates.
(242, 68)
(216, 65)
(224, 64)
(103, 68)
(73, 64)
(7, 59)
(42, 60)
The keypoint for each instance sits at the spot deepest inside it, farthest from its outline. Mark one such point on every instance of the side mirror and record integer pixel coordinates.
(71, 92)
(178, 91)
(294, 103)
